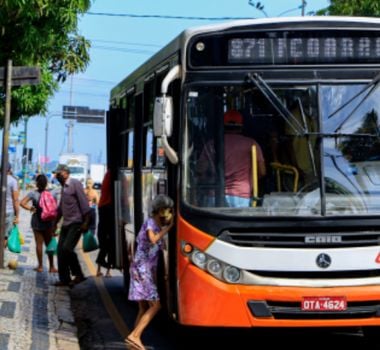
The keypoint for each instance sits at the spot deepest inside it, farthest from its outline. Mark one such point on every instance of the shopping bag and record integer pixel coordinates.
(89, 242)
(51, 248)
(14, 244)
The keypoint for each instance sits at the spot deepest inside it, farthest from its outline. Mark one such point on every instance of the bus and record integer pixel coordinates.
(305, 250)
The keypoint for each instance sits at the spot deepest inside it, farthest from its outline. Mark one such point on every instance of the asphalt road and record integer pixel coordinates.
(104, 317)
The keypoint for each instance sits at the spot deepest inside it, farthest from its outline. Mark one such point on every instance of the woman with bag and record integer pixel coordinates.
(43, 230)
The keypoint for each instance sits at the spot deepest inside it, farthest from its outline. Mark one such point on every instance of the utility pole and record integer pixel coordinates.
(46, 136)
(80, 114)
(70, 127)
(303, 7)
(4, 161)
(10, 76)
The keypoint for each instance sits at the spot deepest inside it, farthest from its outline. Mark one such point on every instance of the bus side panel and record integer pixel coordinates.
(192, 309)
(190, 234)
(206, 301)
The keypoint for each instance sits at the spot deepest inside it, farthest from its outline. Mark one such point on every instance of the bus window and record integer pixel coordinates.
(291, 160)
(130, 135)
(130, 149)
(148, 134)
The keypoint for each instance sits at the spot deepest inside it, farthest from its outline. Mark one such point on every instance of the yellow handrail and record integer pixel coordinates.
(255, 189)
(287, 169)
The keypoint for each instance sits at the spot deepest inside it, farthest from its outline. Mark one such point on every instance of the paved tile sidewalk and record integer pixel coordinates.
(34, 315)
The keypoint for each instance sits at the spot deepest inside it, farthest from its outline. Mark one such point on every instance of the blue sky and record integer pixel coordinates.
(120, 45)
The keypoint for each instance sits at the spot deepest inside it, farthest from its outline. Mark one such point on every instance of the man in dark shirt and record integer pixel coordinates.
(75, 211)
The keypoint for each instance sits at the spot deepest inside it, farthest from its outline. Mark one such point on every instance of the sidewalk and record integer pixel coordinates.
(34, 315)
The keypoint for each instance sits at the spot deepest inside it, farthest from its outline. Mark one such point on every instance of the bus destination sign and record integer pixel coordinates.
(304, 50)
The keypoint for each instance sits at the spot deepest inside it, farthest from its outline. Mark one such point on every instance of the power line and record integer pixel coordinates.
(191, 18)
(107, 82)
(124, 43)
(121, 49)
(82, 93)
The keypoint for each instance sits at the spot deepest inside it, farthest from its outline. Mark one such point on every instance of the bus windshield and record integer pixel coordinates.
(320, 159)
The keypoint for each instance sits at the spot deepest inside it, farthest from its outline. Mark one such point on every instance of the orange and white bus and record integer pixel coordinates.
(305, 250)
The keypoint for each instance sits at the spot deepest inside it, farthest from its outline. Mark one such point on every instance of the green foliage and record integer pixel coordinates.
(41, 33)
(367, 8)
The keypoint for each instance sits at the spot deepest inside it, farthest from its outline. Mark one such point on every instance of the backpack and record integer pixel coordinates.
(48, 205)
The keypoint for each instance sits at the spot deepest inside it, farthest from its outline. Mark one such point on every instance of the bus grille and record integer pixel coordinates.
(293, 311)
(302, 240)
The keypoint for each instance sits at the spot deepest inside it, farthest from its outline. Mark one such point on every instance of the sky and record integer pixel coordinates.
(119, 45)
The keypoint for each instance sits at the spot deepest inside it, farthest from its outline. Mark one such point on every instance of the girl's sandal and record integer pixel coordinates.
(133, 345)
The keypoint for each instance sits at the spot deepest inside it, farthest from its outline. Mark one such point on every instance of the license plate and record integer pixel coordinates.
(324, 304)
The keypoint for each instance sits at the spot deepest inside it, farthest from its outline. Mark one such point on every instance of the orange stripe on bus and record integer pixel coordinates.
(206, 301)
(192, 235)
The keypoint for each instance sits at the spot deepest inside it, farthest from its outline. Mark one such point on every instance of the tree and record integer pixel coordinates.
(41, 33)
(367, 8)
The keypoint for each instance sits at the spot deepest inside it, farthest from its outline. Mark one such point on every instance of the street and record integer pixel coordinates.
(103, 313)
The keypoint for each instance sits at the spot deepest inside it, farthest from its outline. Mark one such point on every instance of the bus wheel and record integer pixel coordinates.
(371, 333)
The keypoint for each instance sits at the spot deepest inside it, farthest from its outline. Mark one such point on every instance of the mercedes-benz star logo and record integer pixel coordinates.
(323, 260)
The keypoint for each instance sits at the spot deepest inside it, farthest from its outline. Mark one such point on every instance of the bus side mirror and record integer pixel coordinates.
(163, 116)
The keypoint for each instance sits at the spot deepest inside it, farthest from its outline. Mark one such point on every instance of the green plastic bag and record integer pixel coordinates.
(89, 242)
(14, 243)
(51, 248)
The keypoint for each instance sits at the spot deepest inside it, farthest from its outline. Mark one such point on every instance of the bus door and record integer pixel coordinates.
(154, 173)
(122, 167)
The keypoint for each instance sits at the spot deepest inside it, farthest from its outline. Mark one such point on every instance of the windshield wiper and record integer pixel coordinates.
(309, 145)
(340, 134)
(275, 101)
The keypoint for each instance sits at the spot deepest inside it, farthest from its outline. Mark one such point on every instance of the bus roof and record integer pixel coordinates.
(183, 38)
(280, 20)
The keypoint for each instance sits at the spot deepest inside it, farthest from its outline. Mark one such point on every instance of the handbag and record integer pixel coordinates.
(52, 247)
(14, 244)
(89, 242)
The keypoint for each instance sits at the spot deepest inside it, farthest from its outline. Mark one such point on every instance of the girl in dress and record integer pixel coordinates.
(143, 287)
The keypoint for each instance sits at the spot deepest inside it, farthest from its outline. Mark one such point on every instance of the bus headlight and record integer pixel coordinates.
(199, 258)
(214, 267)
(210, 264)
(231, 274)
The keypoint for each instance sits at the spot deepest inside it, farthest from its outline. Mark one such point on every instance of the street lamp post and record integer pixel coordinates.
(78, 113)
(46, 135)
